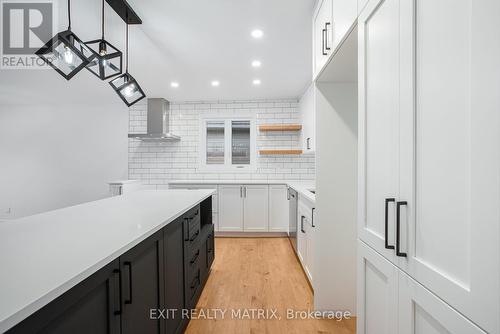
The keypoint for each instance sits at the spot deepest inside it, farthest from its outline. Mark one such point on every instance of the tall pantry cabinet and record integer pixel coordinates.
(429, 166)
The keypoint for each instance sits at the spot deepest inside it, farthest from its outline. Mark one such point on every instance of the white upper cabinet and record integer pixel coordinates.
(429, 134)
(331, 21)
(308, 118)
(230, 208)
(278, 208)
(378, 128)
(256, 201)
(322, 34)
(345, 13)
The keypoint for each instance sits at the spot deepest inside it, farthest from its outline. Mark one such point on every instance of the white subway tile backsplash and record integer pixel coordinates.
(156, 163)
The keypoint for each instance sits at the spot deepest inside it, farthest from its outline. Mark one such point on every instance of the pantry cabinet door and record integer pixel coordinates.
(377, 293)
(231, 208)
(450, 163)
(421, 312)
(256, 213)
(378, 128)
(345, 13)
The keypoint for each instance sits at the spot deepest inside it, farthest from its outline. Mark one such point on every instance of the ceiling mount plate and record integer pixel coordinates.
(123, 9)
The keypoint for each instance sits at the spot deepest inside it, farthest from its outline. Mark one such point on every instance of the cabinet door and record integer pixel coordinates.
(322, 34)
(377, 293)
(309, 261)
(308, 118)
(451, 161)
(421, 312)
(93, 306)
(278, 208)
(345, 12)
(379, 111)
(174, 274)
(301, 238)
(143, 286)
(231, 208)
(256, 213)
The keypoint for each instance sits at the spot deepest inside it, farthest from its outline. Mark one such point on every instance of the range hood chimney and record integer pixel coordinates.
(158, 122)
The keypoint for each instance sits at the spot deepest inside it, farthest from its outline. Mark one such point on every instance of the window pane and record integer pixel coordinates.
(240, 142)
(215, 143)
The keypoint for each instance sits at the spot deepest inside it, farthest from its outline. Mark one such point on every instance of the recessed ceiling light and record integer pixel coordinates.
(256, 82)
(256, 63)
(257, 33)
(215, 83)
(174, 84)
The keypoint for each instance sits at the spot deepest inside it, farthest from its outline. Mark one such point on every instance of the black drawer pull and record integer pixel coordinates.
(312, 217)
(195, 257)
(302, 224)
(117, 273)
(186, 225)
(398, 228)
(129, 265)
(386, 233)
(193, 238)
(326, 34)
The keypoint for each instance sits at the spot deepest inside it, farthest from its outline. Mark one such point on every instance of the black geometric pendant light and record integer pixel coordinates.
(65, 52)
(107, 60)
(125, 85)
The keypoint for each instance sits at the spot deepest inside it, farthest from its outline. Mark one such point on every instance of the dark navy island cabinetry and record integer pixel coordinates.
(142, 291)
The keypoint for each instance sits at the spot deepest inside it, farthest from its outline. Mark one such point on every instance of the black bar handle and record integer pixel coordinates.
(288, 193)
(386, 233)
(129, 265)
(195, 257)
(323, 33)
(117, 273)
(312, 217)
(308, 141)
(193, 238)
(326, 34)
(302, 224)
(398, 228)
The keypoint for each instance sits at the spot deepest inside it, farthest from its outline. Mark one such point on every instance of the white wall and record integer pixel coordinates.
(54, 156)
(157, 163)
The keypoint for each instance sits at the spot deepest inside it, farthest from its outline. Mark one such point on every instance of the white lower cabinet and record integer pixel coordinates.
(278, 208)
(231, 208)
(389, 301)
(255, 208)
(243, 208)
(305, 238)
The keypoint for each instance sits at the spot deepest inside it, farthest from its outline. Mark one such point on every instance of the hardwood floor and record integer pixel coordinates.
(258, 273)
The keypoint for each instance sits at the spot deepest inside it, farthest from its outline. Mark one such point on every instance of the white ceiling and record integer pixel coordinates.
(210, 40)
(191, 42)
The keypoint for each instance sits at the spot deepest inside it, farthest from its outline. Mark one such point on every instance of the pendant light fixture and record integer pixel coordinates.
(125, 85)
(65, 52)
(107, 60)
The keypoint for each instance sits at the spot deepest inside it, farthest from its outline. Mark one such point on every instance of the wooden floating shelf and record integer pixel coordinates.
(279, 152)
(280, 127)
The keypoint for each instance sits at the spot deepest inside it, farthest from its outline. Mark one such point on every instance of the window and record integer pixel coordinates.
(227, 143)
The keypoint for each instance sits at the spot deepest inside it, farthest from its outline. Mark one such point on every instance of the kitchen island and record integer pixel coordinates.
(110, 260)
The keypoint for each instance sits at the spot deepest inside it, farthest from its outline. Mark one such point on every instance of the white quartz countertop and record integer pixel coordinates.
(302, 187)
(45, 255)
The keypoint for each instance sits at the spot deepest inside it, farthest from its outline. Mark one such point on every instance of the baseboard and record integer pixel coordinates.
(251, 234)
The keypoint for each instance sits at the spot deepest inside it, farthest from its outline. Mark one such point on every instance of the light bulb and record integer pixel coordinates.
(129, 90)
(104, 62)
(68, 55)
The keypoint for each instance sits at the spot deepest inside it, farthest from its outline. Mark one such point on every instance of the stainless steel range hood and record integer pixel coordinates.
(158, 122)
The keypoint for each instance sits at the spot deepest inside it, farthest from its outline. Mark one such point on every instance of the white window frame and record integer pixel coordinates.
(227, 166)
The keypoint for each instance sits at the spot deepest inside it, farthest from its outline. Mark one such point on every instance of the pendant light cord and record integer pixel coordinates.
(102, 19)
(69, 15)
